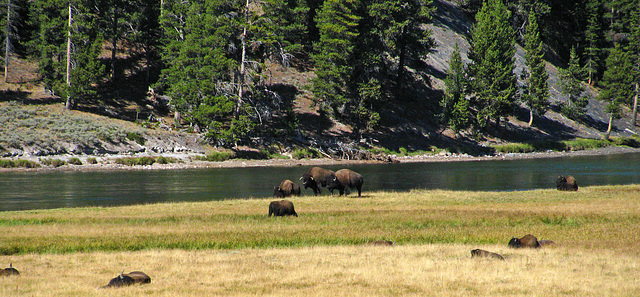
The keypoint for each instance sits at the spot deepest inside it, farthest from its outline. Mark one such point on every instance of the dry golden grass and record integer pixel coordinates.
(232, 248)
(418, 270)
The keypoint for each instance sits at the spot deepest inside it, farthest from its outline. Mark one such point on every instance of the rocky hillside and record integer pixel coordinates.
(41, 127)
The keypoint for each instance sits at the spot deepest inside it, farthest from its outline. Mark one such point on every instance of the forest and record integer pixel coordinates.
(207, 62)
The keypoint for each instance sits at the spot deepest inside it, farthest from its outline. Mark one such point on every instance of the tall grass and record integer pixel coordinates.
(608, 214)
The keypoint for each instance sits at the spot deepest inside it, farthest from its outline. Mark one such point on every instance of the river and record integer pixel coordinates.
(60, 189)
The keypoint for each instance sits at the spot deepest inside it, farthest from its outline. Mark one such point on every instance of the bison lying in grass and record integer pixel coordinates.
(9, 271)
(478, 253)
(527, 241)
(566, 183)
(134, 277)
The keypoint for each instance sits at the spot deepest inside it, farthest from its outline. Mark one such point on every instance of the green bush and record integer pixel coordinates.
(511, 148)
(305, 153)
(53, 162)
(137, 137)
(74, 161)
(136, 161)
(215, 156)
(585, 143)
(92, 161)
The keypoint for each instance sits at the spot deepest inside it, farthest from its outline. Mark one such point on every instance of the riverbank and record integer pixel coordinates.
(180, 161)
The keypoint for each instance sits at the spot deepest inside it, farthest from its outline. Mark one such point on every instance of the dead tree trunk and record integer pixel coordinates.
(8, 43)
(242, 62)
(635, 106)
(69, 104)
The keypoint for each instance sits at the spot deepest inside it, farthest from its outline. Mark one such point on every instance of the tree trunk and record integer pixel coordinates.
(635, 106)
(8, 43)
(69, 104)
(606, 135)
(242, 62)
(530, 117)
(114, 43)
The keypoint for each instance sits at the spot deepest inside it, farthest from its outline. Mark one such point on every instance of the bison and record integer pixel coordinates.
(567, 183)
(527, 241)
(381, 242)
(478, 253)
(134, 277)
(317, 177)
(9, 271)
(286, 189)
(281, 208)
(346, 178)
(544, 242)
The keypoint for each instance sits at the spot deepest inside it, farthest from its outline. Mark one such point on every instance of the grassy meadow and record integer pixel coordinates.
(231, 248)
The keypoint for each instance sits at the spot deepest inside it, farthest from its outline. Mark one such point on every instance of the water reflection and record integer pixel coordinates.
(22, 191)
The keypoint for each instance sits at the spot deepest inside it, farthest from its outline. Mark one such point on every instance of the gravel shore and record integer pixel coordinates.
(187, 161)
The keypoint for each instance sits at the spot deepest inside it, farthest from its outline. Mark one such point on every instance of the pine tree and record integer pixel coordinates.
(492, 53)
(570, 84)
(537, 93)
(594, 39)
(337, 23)
(617, 84)
(455, 106)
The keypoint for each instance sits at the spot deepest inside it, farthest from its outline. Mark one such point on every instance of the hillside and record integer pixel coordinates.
(37, 125)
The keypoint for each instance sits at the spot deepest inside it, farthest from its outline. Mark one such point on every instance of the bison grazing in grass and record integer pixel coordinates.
(281, 208)
(317, 177)
(346, 178)
(527, 241)
(134, 277)
(478, 253)
(286, 189)
(9, 271)
(566, 183)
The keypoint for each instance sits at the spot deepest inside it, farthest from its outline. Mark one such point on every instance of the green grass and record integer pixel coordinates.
(577, 144)
(6, 163)
(607, 214)
(144, 161)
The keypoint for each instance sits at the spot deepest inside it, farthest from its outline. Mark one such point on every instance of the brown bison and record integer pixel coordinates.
(134, 277)
(478, 253)
(527, 241)
(9, 271)
(317, 177)
(286, 189)
(381, 242)
(346, 178)
(281, 208)
(567, 183)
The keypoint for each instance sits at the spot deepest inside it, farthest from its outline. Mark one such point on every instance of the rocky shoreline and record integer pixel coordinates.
(188, 160)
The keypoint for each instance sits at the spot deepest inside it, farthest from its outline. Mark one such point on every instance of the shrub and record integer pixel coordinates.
(133, 161)
(305, 153)
(584, 143)
(137, 137)
(511, 148)
(26, 164)
(53, 162)
(92, 161)
(74, 161)
(215, 156)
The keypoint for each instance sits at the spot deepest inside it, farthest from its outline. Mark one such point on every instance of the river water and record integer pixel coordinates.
(38, 190)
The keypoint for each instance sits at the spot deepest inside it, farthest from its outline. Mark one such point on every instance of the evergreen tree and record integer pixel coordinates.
(594, 38)
(537, 94)
(617, 84)
(333, 59)
(570, 84)
(492, 53)
(455, 106)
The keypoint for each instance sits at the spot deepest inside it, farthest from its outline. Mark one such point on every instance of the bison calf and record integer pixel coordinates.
(9, 271)
(346, 178)
(286, 189)
(478, 253)
(281, 208)
(567, 183)
(134, 277)
(527, 241)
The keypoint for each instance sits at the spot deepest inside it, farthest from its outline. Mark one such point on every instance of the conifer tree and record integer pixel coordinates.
(537, 94)
(617, 84)
(455, 106)
(594, 39)
(492, 53)
(571, 85)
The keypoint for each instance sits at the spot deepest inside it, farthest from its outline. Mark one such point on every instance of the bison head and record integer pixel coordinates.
(514, 242)
(278, 192)
(308, 181)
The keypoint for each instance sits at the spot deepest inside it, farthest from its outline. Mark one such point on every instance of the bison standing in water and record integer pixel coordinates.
(317, 177)
(134, 277)
(286, 189)
(282, 208)
(527, 241)
(346, 178)
(566, 183)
